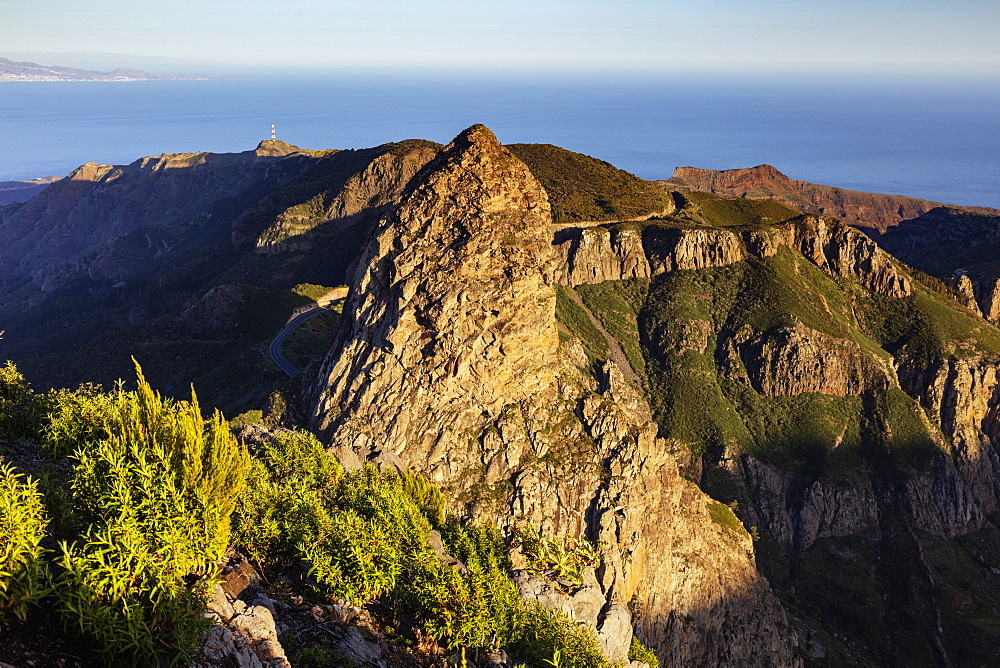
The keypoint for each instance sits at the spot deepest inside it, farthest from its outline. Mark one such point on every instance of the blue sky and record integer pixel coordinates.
(941, 37)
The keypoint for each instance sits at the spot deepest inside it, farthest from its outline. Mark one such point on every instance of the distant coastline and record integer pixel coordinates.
(11, 71)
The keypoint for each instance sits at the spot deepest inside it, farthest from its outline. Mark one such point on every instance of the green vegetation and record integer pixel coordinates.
(150, 507)
(707, 209)
(364, 537)
(564, 560)
(20, 410)
(23, 571)
(701, 389)
(585, 188)
(617, 304)
(639, 652)
(724, 516)
(577, 321)
(925, 328)
(743, 212)
(156, 495)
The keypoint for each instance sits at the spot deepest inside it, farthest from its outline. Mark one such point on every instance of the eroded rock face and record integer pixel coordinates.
(456, 286)
(598, 254)
(795, 360)
(673, 250)
(450, 361)
(963, 398)
(987, 295)
(368, 193)
(78, 223)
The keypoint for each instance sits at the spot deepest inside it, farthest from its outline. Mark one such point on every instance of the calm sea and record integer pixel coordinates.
(930, 141)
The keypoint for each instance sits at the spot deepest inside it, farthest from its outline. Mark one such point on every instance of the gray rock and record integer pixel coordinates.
(256, 625)
(263, 600)
(222, 647)
(363, 652)
(219, 604)
(614, 632)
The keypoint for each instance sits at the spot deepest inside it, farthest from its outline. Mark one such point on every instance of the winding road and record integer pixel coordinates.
(275, 347)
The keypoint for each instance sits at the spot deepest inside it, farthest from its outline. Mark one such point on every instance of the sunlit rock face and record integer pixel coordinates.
(450, 363)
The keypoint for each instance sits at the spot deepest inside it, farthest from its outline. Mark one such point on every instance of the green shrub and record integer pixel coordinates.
(21, 410)
(284, 504)
(639, 652)
(23, 573)
(477, 608)
(562, 559)
(372, 532)
(130, 597)
(75, 417)
(157, 492)
(364, 537)
(544, 632)
(247, 418)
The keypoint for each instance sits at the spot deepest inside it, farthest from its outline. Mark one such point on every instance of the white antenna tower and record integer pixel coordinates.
(273, 136)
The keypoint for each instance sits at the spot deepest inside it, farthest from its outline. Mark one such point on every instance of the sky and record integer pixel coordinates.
(904, 37)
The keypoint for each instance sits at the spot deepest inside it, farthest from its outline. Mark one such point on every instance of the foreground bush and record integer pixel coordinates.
(157, 491)
(23, 573)
(363, 536)
(21, 411)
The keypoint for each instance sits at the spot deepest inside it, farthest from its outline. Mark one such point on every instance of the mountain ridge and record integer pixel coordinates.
(27, 71)
(872, 212)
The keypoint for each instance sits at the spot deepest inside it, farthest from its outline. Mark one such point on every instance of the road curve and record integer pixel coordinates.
(275, 347)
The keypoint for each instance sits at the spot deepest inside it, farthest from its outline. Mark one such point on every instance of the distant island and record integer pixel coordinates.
(25, 71)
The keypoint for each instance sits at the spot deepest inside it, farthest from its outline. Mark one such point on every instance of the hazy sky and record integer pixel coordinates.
(875, 36)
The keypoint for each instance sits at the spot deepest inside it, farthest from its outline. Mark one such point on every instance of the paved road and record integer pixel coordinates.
(275, 348)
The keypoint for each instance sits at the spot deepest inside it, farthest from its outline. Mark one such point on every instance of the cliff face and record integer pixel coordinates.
(849, 410)
(871, 212)
(595, 255)
(450, 361)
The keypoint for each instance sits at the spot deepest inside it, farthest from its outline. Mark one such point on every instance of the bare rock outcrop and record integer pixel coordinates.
(987, 293)
(675, 250)
(795, 360)
(449, 359)
(964, 291)
(962, 396)
(845, 252)
(598, 254)
(242, 635)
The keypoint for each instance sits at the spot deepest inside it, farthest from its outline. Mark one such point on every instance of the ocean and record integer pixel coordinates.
(933, 141)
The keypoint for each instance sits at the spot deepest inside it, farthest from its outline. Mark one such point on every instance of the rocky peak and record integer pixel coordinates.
(872, 212)
(91, 171)
(456, 283)
(275, 148)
